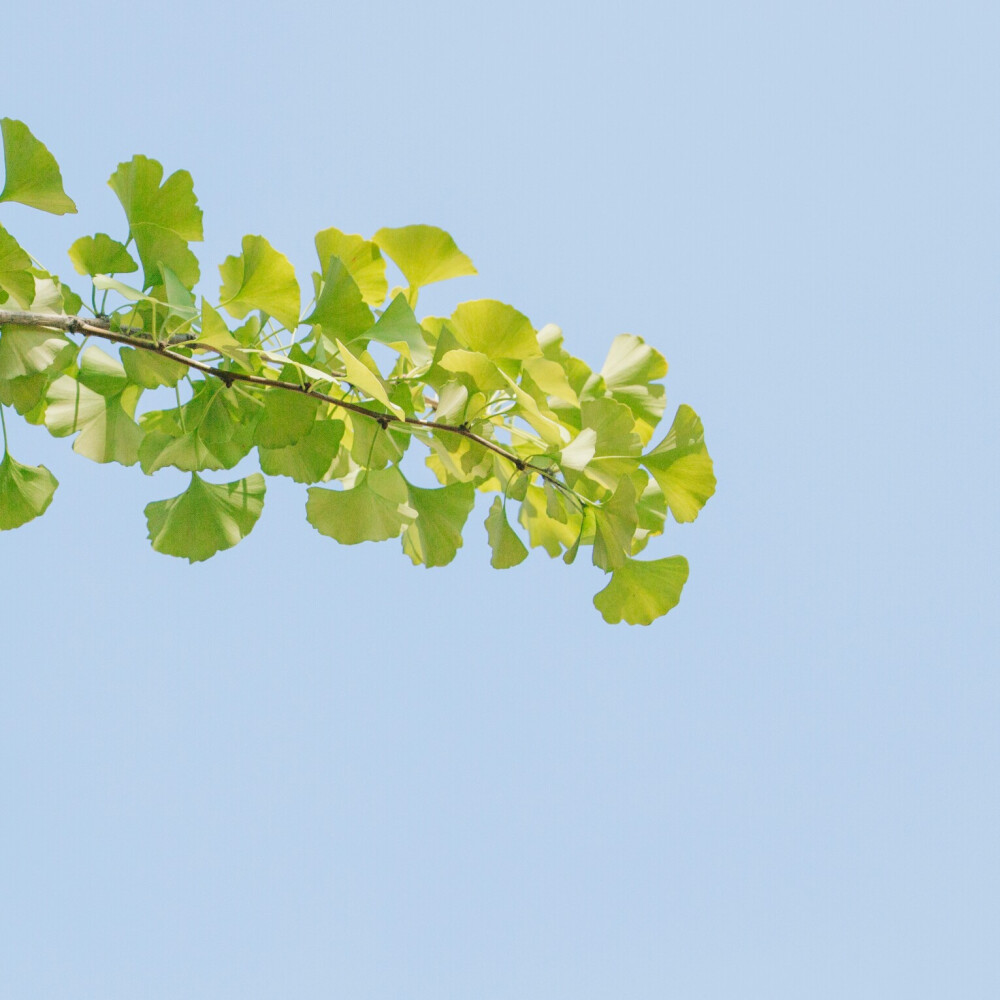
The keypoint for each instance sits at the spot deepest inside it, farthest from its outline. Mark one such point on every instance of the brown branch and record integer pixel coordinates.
(143, 340)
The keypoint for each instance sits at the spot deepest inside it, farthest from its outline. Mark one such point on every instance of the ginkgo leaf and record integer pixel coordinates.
(31, 174)
(682, 467)
(631, 361)
(25, 350)
(508, 549)
(101, 254)
(215, 335)
(310, 458)
(615, 524)
(286, 418)
(15, 277)
(151, 370)
(398, 327)
(543, 529)
(495, 329)
(25, 492)
(361, 257)
(363, 378)
(436, 535)
(424, 254)
(375, 509)
(629, 373)
(260, 278)
(482, 373)
(206, 517)
(340, 309)
(162, 220)
(107, 431)
(24, 393)
(641, 591)
(212, 430)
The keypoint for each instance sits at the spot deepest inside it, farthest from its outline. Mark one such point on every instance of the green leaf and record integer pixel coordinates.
(31, 173)
(101, 254)
(397, 327)
(287, 417)
(495, 329)
(15, 277)
(628, 371)
(363, 378)
(206, 517)
(260, 278)
(424, 254)
(25, 492)
(216, 336)
(361, 257)
(436, 535)
(161, 219)
(375, 509)
(212, 430)
(24, 393)
(640, 592)
(310, 458)
(107, 431)
(340, 309)
(682, 467)
(551, 533)
(616, 522)
(151, 370)
(27, 351)
(631, 361)
(508, 549)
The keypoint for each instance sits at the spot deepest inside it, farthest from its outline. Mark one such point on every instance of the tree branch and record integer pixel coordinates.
(143, 340)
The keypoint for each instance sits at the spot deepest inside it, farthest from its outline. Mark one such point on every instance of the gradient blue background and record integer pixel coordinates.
(304, 770)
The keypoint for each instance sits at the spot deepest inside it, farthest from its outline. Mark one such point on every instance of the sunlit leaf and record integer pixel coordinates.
(508, 549)
(436, 535)
(310, 458)
(15, 277)
(363, 378)
(681, 465)
(260, 278)
(398, 327)
(424, 254)
(286, 418)
(107, 431)
(495, 329)
(375, 509)
(544, 530)
(101, 254)
(25, 350)
(25, 492)
(151, 370)
(340, 309)
(31, 174)
(162, 220)
(361, 257)
(616, 522)
(206, 517)
(640, 592)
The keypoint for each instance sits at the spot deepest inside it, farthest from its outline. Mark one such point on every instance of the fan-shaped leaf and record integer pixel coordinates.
(31, 174)
(640, 592)
(25, 492)
(206, 517)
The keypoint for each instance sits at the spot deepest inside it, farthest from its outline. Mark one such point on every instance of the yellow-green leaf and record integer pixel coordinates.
(31, 174)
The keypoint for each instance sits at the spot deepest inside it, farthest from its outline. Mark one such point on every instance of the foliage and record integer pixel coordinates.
(341, 394)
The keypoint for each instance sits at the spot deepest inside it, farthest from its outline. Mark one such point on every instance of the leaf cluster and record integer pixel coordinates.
(335, 383)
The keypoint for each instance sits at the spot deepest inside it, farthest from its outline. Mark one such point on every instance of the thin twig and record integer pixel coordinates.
(141, 339)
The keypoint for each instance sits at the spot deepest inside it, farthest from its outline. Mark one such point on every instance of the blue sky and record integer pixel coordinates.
(307, 770)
